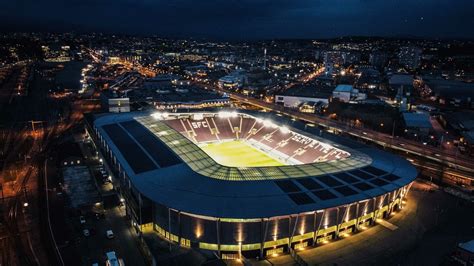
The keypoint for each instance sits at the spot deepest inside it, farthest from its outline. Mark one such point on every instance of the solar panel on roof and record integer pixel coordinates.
(287, 186)
(363, 186)
(346, 178)
(329, 180)
(324, 194)
(133, 154)
(374, 171)
(345, 190)
(309, 183)
(379, 182)
(360, 174)
(391, 177)
(301, 198)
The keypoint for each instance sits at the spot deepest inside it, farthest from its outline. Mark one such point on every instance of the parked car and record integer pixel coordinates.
(110, 234)
(86, 232)
(112, 259)
(82, 219)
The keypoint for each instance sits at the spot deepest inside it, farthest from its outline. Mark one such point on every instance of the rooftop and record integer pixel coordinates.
(310, 91)
(168, 168)
(343, 88)
(418, 120)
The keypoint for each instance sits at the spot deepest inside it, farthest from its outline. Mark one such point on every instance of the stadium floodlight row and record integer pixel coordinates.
(315, 190)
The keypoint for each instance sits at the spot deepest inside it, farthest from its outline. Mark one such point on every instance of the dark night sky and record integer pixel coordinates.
(245, 19)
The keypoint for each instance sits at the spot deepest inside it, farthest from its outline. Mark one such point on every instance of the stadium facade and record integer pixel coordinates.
(323, 188)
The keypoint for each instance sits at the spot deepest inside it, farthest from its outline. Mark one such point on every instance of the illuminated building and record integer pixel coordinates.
(319, 190)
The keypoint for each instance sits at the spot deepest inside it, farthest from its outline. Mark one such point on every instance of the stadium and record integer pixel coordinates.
(246, 184)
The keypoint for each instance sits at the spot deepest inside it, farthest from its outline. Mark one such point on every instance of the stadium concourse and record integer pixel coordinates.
(239, 184)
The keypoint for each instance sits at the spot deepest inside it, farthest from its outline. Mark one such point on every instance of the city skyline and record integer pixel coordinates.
(246, 20)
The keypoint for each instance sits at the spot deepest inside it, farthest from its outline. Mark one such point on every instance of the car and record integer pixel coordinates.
(110, 234)
(112, 259)
(82, 219)
(86, 232)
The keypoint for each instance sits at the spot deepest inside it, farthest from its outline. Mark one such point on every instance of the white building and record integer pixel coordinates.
(347, 93)
(299, 95)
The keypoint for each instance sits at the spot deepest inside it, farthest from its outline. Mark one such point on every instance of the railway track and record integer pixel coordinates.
(13, 242)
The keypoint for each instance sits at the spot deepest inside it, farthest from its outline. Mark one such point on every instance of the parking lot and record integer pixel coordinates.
(82, 235)
(95, 246)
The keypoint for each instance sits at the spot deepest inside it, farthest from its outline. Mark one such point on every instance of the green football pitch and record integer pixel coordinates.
(238, 154)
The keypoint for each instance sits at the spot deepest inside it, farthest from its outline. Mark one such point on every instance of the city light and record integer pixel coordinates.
(226, 114)
(284, 129)
(159, 115)
(247, 150)
(268, 123)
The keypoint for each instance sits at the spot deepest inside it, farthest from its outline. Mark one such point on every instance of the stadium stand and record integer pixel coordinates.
(286, 145)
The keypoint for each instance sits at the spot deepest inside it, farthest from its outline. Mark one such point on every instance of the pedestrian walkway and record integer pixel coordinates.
(387, 224)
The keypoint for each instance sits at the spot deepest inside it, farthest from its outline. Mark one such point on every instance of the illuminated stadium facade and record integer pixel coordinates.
(181, 177)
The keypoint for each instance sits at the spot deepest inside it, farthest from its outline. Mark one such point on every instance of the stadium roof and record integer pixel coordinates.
(169, 169)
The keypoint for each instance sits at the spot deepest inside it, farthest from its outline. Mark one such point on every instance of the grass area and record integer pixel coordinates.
(238, 153)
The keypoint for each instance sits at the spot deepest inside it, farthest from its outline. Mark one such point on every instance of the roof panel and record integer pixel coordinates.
(301, 198)
(133, 154)
(324, 194)
(363, 186)
(379, 182)
(346, 190)
(329, 180)
(287, 186)
(156, 148)
(346, 178)
(373, 170)
(361, 175)
(309, 183)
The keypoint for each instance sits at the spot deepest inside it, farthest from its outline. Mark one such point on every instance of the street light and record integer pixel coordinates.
(25, 204)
